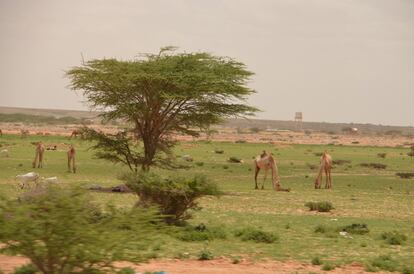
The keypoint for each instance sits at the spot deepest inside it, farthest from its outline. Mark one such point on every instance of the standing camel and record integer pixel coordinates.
(71, 159)
(325, 166)
(267, 161)
(75, 133)
(38, 160)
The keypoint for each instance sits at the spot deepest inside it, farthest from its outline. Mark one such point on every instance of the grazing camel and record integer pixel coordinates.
(71, 159)
(267, 161)
(75, 133)
(325, 166)
(24, 133)
(38, 160)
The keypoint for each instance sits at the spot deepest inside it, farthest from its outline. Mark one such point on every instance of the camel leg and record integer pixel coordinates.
(73, 164)
(68, 162)
(326, 179)
(35, 160)
(255, 177)
(40, 160)
(330, 179)
(318, 178)
(265, 176)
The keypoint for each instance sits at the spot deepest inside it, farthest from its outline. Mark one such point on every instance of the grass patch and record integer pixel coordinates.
(201, 233)
(256, 235)
(394, 237)
(319, 206)
(374, 165)
(359, 229)
(316, 261)
(341, 162)
(405, 175)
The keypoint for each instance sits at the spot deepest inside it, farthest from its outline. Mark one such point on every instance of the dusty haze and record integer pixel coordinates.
(336, 61)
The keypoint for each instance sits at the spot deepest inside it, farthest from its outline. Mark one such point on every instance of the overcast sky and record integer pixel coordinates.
(334, 60)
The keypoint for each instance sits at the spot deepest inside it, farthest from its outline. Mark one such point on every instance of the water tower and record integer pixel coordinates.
(298, 120)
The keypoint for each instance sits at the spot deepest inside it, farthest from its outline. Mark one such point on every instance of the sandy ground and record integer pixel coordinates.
(217, 266)
(229, 135)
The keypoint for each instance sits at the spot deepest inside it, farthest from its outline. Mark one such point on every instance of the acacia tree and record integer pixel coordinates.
(165, 93)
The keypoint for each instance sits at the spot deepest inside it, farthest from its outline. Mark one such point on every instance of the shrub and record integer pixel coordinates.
(318, 154)
(126, 270)
(201, 233)
(234, 160)
(25, 269)
(205, 255)
(316, 261)
(320, 229)
(411, 153)
(328, 267)
(394, 237)
(255, 235)
(225, 167)
(374, 165)
(63, 231)
(199, 163)
(174, 196)
(319, 206)
(312, 167)
(356, 229)
(382, 155)
(405, 175)
(219, 151)
(385, 262)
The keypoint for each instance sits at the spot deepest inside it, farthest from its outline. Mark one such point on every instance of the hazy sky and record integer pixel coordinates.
(334, 60)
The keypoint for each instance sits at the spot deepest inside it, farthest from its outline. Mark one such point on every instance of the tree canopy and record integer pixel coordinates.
(165, 93)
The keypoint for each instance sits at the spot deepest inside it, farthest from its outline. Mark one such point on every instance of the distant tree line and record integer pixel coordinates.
(40, 119)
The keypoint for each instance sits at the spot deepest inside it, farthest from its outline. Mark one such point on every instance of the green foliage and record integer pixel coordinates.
(26, 269)
(205, 255)
(126, 270)
(356, 229)
(394, 237)
(234, 160)
(255, 235)
(174, 196)
(62, 231)
(165, 93)
(219, 151)
(328, 267)
(319, 206)
(340, 162)
(40, 119)
(316, 261)
(382, 155)
(321, 229)
(199, 163)
(385, 262)
(201, 233)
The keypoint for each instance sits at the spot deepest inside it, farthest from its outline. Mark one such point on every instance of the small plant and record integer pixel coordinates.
(316, 261)
(356, 229)
(126, 270)
(385, 262)
(199, 163)
(319, 206)
(382, 155)
(405, 175)
(374, 165)
(225, 167)
(219, 151)
(205, 255)
(235, 260)
(318, 154)
(341, 162)
(311, 166)
(394, 237)
(328, 267)
(321, 229)
(235, 160)
(202, 233)
(256, 235)
(25, 269)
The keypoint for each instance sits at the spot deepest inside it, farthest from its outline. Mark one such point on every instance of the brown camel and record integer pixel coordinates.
(71, 159)
(325, 166)
(75, 133)
(267, 161)
(24, 133)
(38, 160)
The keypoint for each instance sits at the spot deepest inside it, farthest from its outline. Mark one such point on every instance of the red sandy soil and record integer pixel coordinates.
(217, 266)
(229, 135)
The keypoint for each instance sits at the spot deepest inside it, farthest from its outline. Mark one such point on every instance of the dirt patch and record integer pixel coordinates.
(218, 266)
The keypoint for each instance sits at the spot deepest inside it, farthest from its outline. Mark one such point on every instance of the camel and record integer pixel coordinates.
(75, 133)
(267, 161)
(24, 133)
(325, 166)
(38, 160)
(71, 159)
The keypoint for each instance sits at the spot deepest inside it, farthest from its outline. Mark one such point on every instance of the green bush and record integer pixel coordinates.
(319, 206)
(201, 233)
(205, 255)
(63, 231)
(328, 267)
(316, 261)
(405, 175)
(126, 270)
(234, 160)
(394, 237)
(199, 163)
(219, 151)
(356, 229)
(385, 262)
(321, 229)
(25, 269)
(255, 235)
(374, 165)
(174, 196)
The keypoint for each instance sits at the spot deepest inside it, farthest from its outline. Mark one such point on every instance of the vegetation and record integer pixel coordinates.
(356, 229)
(165, 93)
(61, 231)
(40, 119)
(175, 196)
(394, 237)
(405, 175)
(319, 206)
(374, 165)
(255, 235)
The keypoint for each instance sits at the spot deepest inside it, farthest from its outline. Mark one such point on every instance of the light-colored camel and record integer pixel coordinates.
(325, 166)
(38, 160)
(71, 159)
(267, 161)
